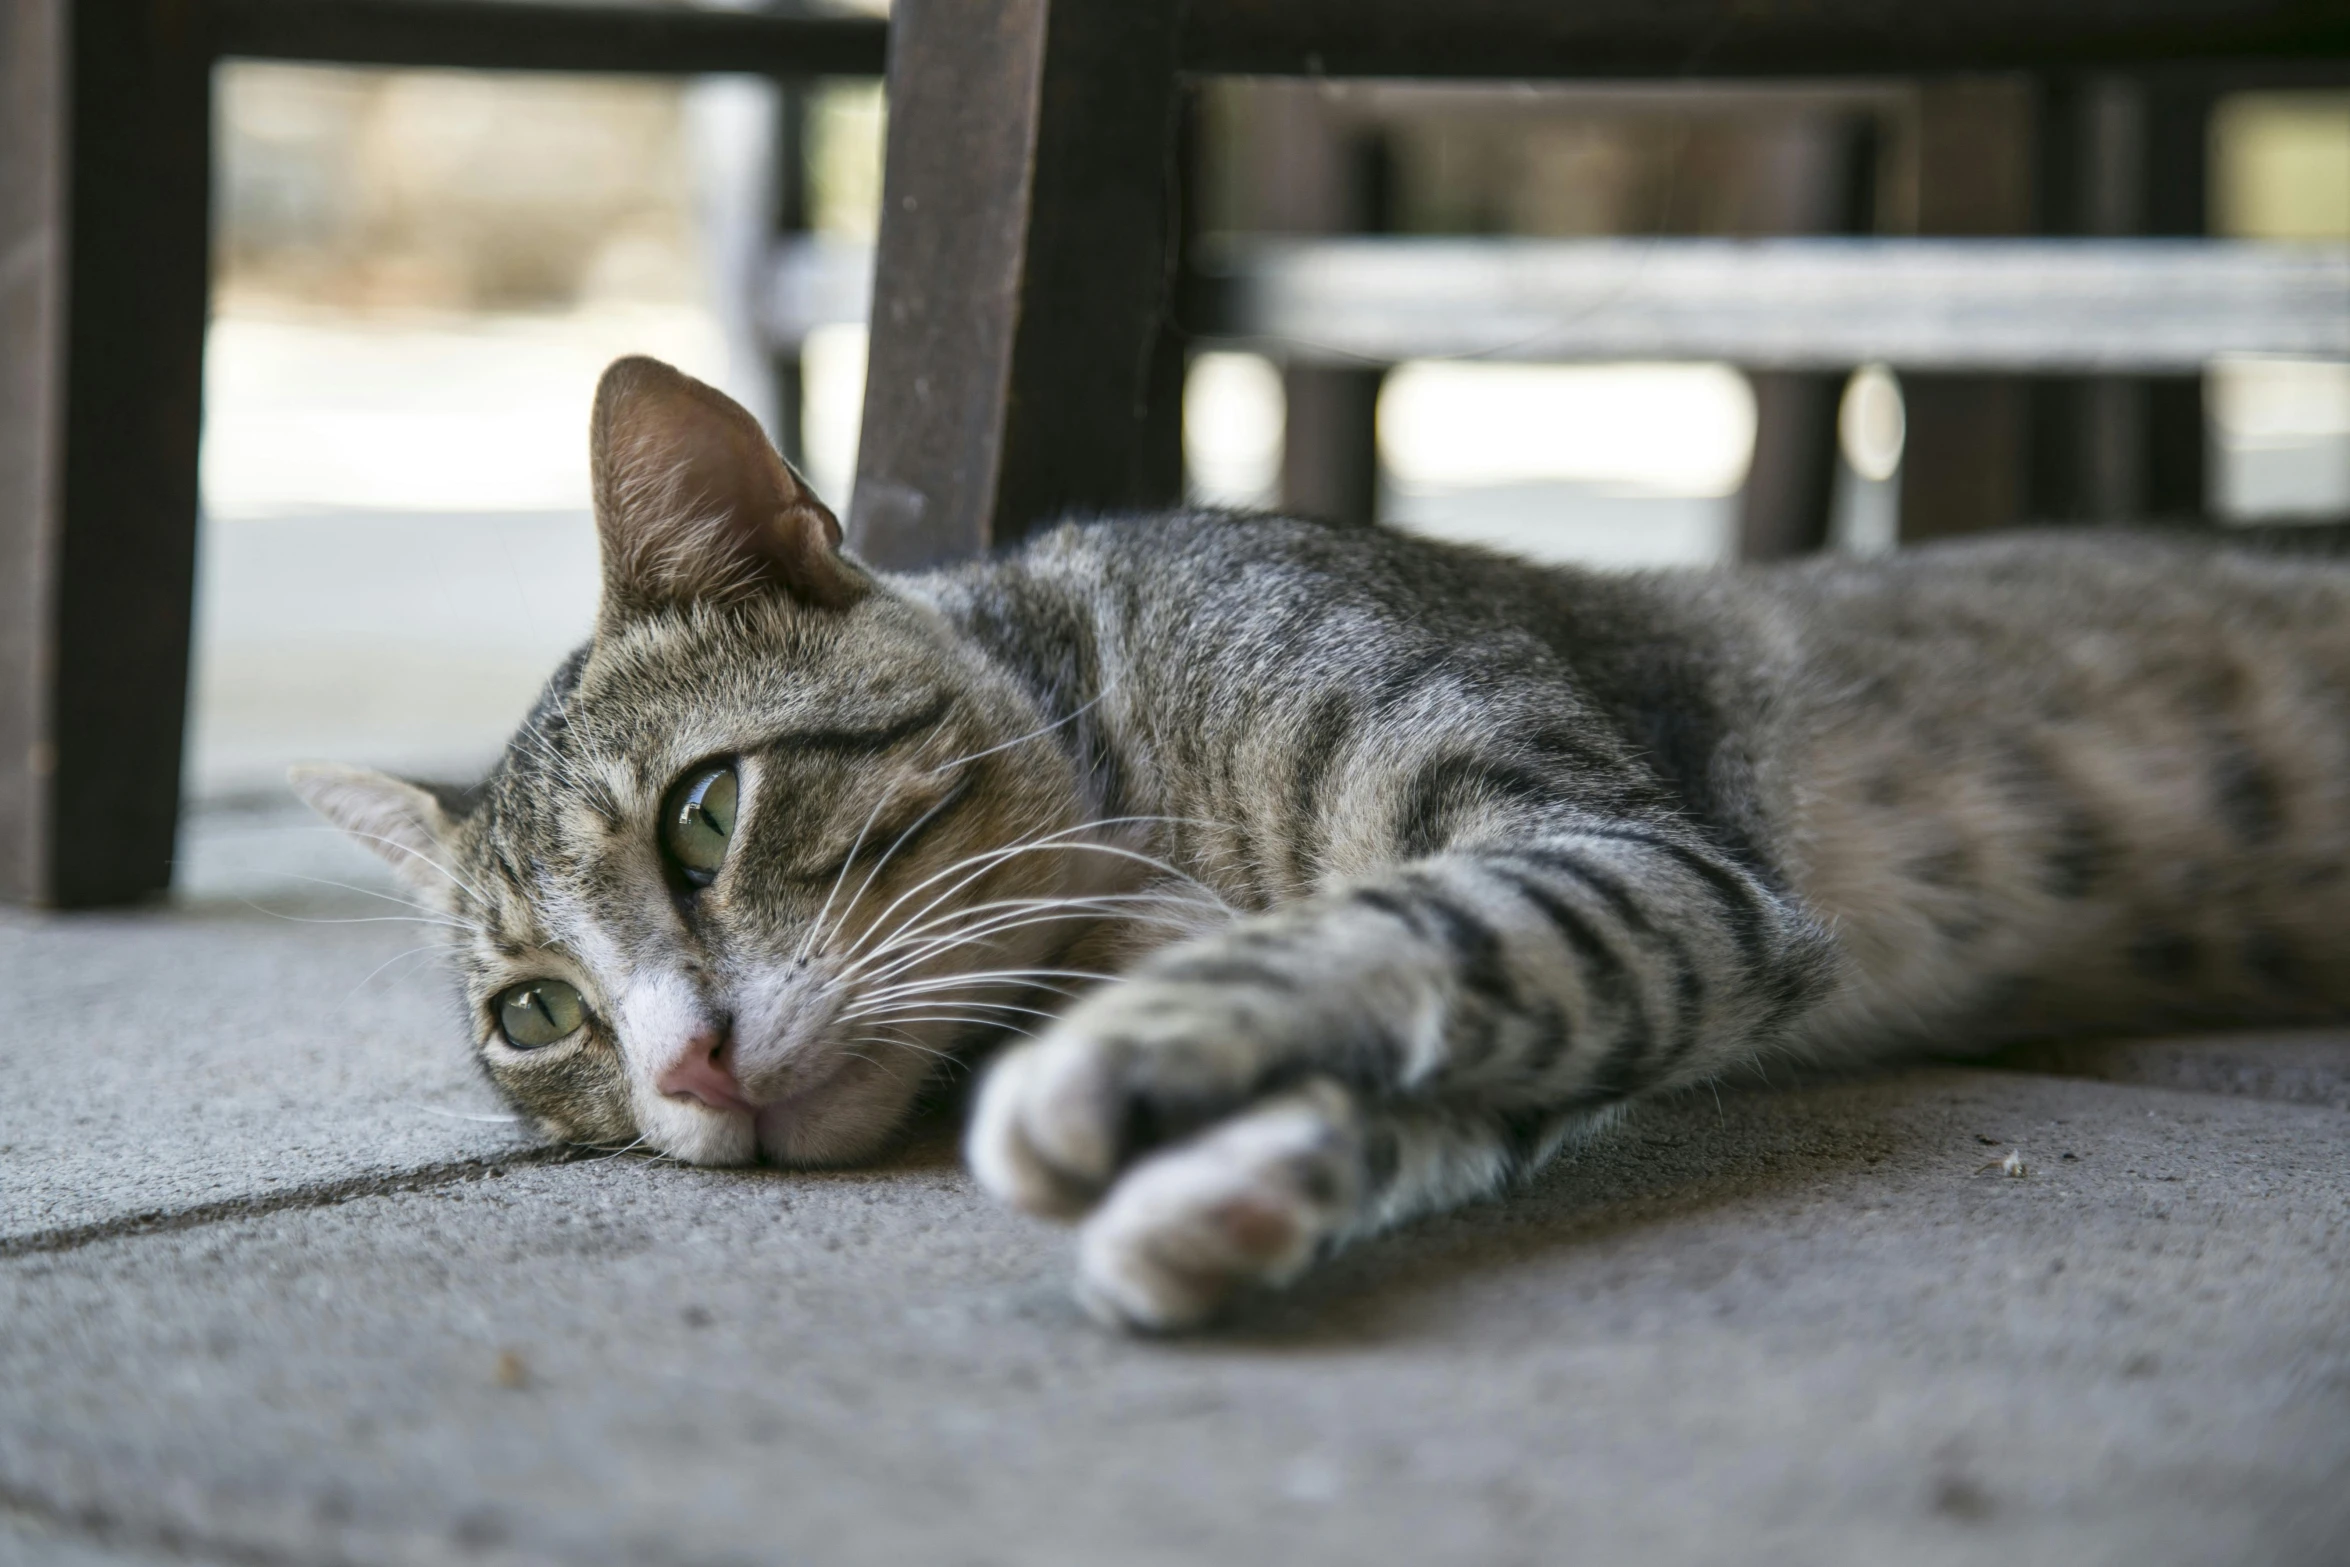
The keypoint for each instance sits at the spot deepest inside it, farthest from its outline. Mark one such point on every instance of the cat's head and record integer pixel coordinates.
(730, 891)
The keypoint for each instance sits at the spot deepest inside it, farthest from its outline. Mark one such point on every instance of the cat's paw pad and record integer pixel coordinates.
(1244, 1207)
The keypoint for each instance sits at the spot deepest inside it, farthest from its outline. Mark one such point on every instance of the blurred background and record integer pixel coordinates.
(419, 274)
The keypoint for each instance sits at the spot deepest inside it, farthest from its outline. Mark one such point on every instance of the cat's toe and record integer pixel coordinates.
(1133, 1068)
(1244, 1207)
(1043, 1136)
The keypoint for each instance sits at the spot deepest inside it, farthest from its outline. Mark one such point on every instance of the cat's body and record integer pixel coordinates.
(2032, 783)
(1416, 862)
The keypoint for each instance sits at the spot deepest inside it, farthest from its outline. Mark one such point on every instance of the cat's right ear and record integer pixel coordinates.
(401, 824)
(693, 505)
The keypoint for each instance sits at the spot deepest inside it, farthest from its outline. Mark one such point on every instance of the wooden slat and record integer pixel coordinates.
(2035, 305)
(504, 35)
(2045, 306)
(1509, 39)
(1718, 38)
(1018, 368)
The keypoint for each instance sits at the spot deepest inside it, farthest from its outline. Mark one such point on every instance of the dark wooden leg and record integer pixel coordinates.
(1815, 176)
(1962, 468)
(1308, 168)
(32, 353)
(1017, 368)
(2120, 157)
(791, 218)
(1962, 462)
(2176, 170)
(2086, 144)
(104, 193)
(1330, 442)
(1791, 483)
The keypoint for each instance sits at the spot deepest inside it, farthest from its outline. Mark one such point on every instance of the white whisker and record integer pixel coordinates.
(800, 955)
(953, 1017)
(902, 1044)
(387, 963)
(1032, 734)
(1076, 904)
(887, 855)
(895, 1008)
(986, 859)
(425, 859)
(462, 1115)
(902, 956)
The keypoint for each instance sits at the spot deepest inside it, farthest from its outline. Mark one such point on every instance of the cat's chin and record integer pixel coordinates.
(848, 1117)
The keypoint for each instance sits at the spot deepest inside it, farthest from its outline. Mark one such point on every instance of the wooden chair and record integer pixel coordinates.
(105, 153)
(1023, 359)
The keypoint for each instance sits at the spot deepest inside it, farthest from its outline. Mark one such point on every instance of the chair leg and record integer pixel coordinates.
(1784, 511)
(1962, 468)
(1815, 176)
(1305, 165)
(1962, 461)
(104, 151)
(2120, 156)
(2177, 182)
(1018, 360)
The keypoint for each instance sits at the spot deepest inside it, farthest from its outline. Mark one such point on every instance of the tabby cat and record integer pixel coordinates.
(1411, 864)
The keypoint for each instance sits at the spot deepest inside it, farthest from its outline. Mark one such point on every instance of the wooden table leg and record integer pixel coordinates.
(104, 147)
(2120, 156)
(1305, 165)
(1962, 465)
(1018, 362)
(1816, 175)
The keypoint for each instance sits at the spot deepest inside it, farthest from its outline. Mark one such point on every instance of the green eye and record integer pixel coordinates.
(696, 822)
(539, 1013)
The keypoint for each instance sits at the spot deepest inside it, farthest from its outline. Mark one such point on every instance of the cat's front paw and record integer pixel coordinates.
(1244, 1206)
(1129, 1069)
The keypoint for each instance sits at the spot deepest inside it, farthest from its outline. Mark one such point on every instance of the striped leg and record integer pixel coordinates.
(1545, 978)
(1251, 1202)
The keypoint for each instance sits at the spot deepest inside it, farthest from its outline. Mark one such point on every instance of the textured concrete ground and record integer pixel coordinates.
(267, 1297)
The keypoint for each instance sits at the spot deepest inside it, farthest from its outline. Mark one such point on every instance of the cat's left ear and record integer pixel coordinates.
(398, 822)
(694, 506)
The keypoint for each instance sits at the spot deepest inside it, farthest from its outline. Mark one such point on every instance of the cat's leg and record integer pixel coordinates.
(1551, 976)
(1255, 1199)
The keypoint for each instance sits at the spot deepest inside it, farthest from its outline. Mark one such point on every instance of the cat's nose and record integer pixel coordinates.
(704, 1070)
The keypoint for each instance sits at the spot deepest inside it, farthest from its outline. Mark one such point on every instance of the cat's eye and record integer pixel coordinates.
(539, 1012)
(696, 822)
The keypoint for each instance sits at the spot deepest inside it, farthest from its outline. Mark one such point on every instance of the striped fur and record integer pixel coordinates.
(1416, 863)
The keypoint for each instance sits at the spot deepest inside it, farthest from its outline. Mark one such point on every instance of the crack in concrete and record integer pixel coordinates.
(95, 1524)
(325, 1194)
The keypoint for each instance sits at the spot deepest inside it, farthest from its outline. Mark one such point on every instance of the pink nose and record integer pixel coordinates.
(701, 1071)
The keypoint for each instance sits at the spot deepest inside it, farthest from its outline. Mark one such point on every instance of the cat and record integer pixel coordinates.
(1339, 876)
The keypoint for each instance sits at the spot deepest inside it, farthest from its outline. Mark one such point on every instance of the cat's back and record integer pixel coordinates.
(2038, 781)
(2063, 780)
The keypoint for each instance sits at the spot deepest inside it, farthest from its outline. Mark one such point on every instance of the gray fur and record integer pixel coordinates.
(1417, 862)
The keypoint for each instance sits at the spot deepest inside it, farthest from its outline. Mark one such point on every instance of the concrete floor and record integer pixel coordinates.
(267, 1295)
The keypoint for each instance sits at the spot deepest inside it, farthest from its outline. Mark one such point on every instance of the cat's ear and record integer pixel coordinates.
(402, 824)
(694, 506)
